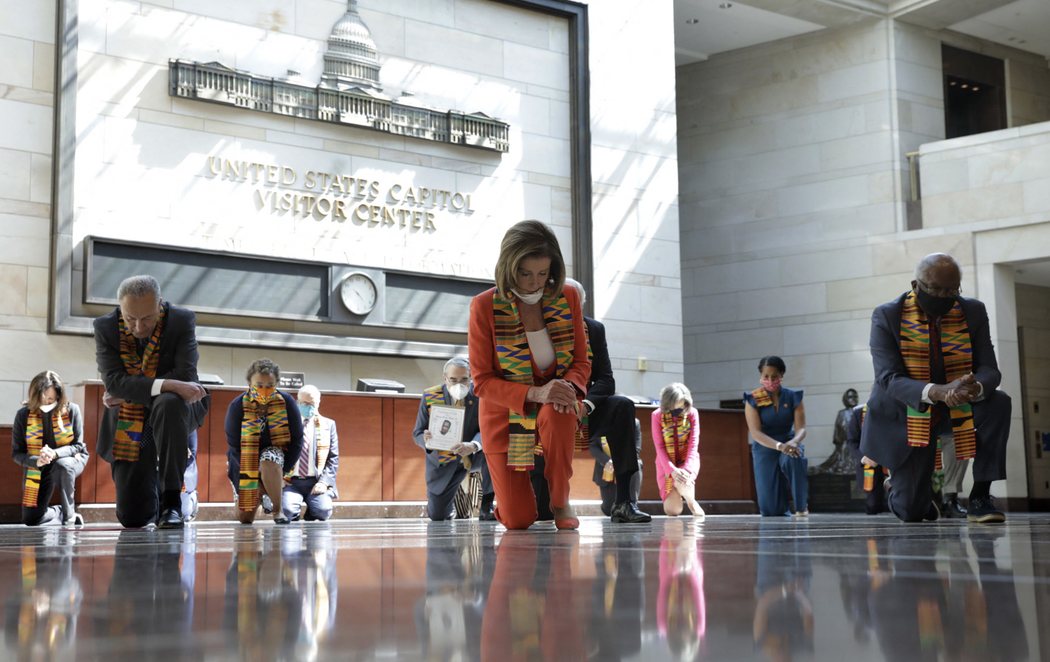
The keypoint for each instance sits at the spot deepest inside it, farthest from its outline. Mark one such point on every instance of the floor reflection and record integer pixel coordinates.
(727, 588)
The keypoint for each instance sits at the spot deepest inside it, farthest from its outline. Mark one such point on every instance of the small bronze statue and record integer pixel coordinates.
(841, 460)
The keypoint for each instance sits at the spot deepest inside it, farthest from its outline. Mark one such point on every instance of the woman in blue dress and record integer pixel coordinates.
(776, 419)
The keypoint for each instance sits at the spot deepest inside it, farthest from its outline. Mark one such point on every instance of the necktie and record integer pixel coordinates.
(304, 457)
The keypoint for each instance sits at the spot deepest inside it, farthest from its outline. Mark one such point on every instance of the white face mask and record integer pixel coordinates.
(47, 408)
(458, 391)
(529, 298)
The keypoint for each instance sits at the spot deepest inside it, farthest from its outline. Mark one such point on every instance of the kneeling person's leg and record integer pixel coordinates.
(136, 484)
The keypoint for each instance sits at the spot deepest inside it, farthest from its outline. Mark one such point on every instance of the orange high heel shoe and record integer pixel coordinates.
(565, 519)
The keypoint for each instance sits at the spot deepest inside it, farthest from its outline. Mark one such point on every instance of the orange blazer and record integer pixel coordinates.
(496, 395)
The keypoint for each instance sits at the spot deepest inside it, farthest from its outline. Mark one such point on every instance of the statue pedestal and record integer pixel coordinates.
(835, 493)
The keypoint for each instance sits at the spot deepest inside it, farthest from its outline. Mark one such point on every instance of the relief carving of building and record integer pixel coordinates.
(349, 93)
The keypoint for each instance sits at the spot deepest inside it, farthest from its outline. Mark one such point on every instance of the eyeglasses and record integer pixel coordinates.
(939, 292)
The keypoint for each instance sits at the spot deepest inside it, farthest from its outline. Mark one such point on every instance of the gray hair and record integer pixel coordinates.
(313, 391)
(579, 288)
(138, 286)
(672, 393)
(934, 260)
(458, 361)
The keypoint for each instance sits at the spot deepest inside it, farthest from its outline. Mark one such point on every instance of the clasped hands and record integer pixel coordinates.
(960, 391)
(46, 457)
(789, 448)
(681, 477)
(558, 393)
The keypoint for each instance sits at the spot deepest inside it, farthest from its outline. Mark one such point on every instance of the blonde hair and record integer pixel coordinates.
(672, 393)
(39, 384)
(524, 240)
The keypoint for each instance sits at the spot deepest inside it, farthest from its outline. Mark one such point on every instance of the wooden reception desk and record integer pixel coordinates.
(378, 460)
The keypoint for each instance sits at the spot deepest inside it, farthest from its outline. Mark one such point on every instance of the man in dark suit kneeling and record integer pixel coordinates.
(612, 416)
(146, 350)
(935, 372)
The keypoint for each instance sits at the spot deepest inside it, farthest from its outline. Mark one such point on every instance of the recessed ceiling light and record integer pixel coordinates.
(725, 5)
(692, 21)
(975, 88)
(952, 82)
(964, 86)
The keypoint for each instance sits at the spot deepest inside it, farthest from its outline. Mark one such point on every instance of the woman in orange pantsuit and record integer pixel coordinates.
(528, 359)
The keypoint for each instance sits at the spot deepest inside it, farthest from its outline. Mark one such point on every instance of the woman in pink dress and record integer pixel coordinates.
(676, 435)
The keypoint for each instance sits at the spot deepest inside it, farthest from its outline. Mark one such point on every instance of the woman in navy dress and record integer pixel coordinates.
(776, 419)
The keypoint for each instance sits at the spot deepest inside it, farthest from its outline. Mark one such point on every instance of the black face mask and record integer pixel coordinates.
(677, 412)
(934, 306)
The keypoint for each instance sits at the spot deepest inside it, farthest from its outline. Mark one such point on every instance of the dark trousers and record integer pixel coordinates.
(615, 420)
(542, 490)
(440, 504)
(61, 473)
(875, 500)
(911, 484)
(161, 465)
(608, 492)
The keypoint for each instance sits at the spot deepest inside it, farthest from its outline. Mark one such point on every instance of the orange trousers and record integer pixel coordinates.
(515, 500)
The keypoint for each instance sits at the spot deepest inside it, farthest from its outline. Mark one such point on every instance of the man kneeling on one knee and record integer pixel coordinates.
(935, 373)
(310, 486)
(447, 469)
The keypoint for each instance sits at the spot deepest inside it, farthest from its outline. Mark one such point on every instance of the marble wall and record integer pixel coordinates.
(794, 226)
(461, 53)
(1033, 308)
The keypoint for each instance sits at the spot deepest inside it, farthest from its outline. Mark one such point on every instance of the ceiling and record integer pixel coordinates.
(706, 27)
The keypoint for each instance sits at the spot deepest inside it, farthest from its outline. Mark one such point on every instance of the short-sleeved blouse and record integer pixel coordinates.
(778, 423)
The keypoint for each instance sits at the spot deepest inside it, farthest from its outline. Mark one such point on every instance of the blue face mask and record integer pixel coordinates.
(308, 411)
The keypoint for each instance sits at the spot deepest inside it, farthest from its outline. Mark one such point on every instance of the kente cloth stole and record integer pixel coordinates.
(435, 395)
(762, 397)
(62, 427)
(957, 353)
(515, 361)
(676, 441)
(273, 413)
(131, 419)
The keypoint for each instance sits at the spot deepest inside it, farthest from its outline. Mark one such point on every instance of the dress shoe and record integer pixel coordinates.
(267, 504)
(983, 511)
(951, 507)
(933, 514)
(628, 512)
(170, 518)
(487, 515)
(280, 519)
(565, 519)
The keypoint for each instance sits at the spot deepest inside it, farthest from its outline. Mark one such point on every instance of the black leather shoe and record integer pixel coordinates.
(983, 511)
(933, 514)
(280, 519)
(629, 513)
(170, 518)
(487, 516)
(951, 507)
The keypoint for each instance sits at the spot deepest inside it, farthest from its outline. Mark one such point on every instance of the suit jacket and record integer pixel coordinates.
(498, 395)
(439, 475)
(178, 360)
(884, 437)
(331, 462)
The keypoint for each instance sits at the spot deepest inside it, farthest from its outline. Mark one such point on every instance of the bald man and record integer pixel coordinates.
(935, 373)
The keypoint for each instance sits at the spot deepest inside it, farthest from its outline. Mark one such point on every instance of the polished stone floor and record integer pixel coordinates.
(731, 588)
